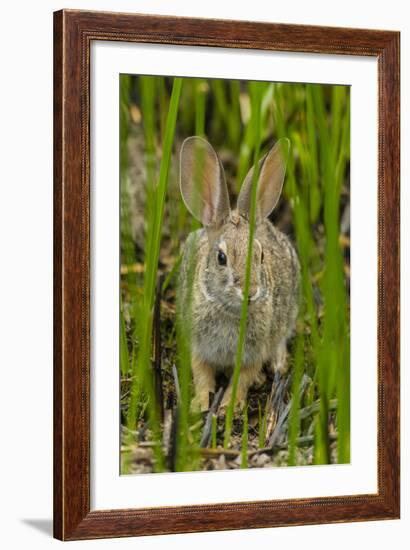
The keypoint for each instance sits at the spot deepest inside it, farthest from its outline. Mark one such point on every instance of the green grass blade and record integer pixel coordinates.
(256, 110)
(294, 420)
(143, 367)
(213, 431)
(185, 453)
(245, 436)
(201, 89)
(262, 418)
(124, 355)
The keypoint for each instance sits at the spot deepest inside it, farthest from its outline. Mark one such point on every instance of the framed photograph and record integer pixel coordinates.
(226, 275)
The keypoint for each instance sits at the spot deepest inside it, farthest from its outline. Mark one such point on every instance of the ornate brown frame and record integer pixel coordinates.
(73, 33)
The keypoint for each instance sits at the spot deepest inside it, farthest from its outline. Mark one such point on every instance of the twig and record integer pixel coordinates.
(172, 454)
(306, 440)
(206, 434)
(302, 441)
(276, 401)
(170, 400)
(314, 408)
(274, 438)
(176, 382)
(283, 418)
(149, 444)
(206, 452)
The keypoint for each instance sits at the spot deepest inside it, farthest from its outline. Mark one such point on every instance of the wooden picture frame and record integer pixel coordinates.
(74, 32)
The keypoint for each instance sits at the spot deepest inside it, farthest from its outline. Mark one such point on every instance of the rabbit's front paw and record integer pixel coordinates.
(279, 362)
(204, 382)
(200, 402)
(259, 380)
(226, 400)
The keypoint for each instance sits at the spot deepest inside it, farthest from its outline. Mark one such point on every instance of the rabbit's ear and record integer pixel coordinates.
(202, 182)
(272, 169)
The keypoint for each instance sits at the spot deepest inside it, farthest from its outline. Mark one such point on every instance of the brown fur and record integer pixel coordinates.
(215, 301)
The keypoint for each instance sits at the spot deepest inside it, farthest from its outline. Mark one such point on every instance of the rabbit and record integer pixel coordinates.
(212, 272)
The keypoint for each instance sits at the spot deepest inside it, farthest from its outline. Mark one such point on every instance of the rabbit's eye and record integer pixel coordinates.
(262, 257)
(221, 258)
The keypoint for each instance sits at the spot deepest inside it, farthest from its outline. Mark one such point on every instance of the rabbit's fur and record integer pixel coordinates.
(212, 274)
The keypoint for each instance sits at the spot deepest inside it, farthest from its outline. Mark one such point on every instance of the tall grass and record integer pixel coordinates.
(256, 90)
(155, 215)
(245, 436)
(241, 120)
(323, 149)
(185, 453)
